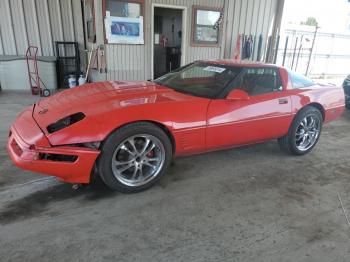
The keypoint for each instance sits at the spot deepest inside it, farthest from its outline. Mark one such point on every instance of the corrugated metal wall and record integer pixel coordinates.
(133, 62)
(39, 23)
(250, 17)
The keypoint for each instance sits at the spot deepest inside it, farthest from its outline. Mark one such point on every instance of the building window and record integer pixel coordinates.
(206, 26)
(120, 8)
(89, 15)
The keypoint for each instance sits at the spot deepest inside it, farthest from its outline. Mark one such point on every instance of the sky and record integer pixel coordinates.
(332, 15)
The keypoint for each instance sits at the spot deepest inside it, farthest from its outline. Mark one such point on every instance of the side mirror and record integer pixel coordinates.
(237, 94)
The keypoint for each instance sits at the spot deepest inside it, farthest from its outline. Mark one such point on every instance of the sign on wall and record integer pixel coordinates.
(124, 30)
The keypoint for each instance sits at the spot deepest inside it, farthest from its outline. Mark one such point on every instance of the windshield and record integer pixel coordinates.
(200, 79)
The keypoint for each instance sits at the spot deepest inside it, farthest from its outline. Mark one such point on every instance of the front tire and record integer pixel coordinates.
(134, 157)
(304, 132)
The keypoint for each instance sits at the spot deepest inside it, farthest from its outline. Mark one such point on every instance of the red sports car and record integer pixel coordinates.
(128, 132)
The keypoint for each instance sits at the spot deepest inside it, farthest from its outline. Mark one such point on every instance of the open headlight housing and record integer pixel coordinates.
(65, 122)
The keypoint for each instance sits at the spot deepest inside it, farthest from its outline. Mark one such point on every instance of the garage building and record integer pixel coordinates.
(171, 33)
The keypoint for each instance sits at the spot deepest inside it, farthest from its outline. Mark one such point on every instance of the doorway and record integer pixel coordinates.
(168, 39)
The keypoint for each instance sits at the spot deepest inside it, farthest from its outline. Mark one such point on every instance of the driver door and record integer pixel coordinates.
(266, 115)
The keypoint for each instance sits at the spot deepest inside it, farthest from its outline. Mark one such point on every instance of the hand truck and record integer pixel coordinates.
(35, 81)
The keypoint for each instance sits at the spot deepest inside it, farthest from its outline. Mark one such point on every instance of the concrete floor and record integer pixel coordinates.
(248, 204)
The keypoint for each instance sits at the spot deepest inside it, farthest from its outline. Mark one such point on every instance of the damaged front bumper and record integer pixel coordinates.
(29, 149)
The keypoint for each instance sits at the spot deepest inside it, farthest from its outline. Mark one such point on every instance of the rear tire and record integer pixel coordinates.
(304, 132)
(134, 157)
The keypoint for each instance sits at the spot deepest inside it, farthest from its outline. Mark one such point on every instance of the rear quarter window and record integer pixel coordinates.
(300, 81)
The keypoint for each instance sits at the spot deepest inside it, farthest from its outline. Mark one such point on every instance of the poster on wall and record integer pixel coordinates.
(124, 30)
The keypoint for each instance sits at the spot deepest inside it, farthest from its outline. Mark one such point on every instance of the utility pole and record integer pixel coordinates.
(312, 49)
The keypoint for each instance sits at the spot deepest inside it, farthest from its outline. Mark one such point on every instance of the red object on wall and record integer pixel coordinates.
(164, 41)
(237, 50)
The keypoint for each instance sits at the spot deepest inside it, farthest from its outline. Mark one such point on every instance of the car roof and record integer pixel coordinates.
(240, 63)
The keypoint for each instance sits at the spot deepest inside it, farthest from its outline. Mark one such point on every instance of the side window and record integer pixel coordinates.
(300, 81)
(257, 81)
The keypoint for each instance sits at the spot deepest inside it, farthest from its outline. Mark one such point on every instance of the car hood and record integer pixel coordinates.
(98, 98)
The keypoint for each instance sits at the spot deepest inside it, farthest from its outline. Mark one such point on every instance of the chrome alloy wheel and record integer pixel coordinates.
(307, 132)
(138, 160)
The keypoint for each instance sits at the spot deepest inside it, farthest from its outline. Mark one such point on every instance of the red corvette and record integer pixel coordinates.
(128, 132)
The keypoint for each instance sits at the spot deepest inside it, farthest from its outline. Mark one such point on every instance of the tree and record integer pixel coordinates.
(310, 21)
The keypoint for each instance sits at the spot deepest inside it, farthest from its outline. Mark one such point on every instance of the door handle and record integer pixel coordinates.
(283, 101)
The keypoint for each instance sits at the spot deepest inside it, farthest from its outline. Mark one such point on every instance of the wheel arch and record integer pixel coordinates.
(158, 124)
(317, 106)
(285, 140)
(166, 130)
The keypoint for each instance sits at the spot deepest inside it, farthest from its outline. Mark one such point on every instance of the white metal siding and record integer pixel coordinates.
(44, 26)
(40, 23)
(7, 33)
(249, 17)
(19, 27)
(32, 26)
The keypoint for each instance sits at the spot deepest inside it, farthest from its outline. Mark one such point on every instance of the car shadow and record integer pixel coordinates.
(38, 202)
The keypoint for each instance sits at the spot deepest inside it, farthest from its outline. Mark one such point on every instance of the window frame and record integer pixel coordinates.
(196, 43)
(104, 9)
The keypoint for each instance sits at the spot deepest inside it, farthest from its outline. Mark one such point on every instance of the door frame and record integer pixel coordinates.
(183, 37)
